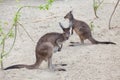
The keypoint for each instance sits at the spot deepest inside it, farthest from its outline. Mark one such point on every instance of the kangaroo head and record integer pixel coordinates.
(69, 16)
(66, 32)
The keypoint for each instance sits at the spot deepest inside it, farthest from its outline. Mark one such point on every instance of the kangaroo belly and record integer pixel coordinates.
(79, 33)
(83, 32)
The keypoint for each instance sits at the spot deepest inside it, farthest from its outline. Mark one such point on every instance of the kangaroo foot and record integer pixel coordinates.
(60, 69)
(74, 42)
(53, 68)
(71, 45)
(60, 64)
(63, 64)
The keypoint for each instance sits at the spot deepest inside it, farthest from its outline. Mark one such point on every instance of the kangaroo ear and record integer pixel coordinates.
(69, 28)
(61, 25)
(71, 11)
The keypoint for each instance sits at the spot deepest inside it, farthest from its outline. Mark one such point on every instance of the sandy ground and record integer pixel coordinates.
(84, 62)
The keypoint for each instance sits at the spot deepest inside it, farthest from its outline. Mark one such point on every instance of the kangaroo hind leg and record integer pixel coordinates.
(36, 64)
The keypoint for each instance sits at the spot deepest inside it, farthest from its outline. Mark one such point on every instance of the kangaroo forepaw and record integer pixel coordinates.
(59, 49)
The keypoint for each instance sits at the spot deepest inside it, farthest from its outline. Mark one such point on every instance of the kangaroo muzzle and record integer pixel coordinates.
(65, 17)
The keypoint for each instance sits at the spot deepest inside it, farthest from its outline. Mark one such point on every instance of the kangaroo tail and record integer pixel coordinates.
(106, 43)
(98, 42)
(16, 66)
(33, 66)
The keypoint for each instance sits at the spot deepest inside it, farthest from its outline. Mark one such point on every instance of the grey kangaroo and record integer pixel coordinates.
(82, 29)
(47, 44)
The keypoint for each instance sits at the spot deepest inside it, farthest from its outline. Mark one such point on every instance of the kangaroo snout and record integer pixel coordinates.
(67, 38)
(65, 17)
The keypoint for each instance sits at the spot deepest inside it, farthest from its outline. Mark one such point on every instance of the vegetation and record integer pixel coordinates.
(92, 25)
(3, 37)
(12, 33)
(96, 5)
(113, 13)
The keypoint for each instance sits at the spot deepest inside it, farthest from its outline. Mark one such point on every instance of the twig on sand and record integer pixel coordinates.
(48, 18)
(113, 13)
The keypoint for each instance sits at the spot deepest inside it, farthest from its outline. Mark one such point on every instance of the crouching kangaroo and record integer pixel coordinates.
(82, 29)
(47, 44)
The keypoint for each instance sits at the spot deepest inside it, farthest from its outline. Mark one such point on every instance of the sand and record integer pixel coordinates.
(84, 62)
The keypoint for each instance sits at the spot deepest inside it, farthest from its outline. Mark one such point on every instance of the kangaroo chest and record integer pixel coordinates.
(57, 47)
(75, 26)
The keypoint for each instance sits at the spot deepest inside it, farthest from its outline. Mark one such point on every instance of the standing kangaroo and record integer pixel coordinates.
(47, 44)
(82, 29)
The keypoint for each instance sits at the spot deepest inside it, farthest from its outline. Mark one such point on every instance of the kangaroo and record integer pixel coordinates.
(82, 29)
(47, 44)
